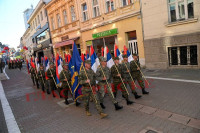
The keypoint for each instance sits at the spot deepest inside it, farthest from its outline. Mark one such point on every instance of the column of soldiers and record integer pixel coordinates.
(120, 75)
(13, 64)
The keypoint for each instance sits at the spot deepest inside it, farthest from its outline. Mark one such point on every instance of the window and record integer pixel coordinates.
(65, 16)
(84, 10)
(38, 19)
(109, 5)
(43, 36)
(58, 20)
(73, 15)
(52, 23)
(180, 10)
(35, 23)
(95, 8)
(126, 2)
(183, 55)
(41, 15)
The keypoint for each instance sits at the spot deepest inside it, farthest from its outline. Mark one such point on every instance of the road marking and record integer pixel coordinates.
(171, 79)
(5, 72)
(8, 114)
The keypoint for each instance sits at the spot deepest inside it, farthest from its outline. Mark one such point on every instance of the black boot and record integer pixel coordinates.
(144, 91)
(117, 106)
(66, 102)
(115, 94)
(123, 96)
(48, 92)
(77, 103)
(102, 106)
(128, 102)
(136, 95)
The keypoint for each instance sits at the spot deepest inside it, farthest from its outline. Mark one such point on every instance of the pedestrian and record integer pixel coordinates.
(41, 76)
(136, 73)
(103, 76)
(51, 74)
(127, 76)
(118, 83)
(86, 78)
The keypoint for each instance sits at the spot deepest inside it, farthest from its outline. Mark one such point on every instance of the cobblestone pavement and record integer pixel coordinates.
(171, 107)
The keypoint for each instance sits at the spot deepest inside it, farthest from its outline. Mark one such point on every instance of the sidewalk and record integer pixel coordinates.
(171, 107)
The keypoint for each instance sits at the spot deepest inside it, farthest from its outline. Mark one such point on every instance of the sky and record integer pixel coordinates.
(12, 25)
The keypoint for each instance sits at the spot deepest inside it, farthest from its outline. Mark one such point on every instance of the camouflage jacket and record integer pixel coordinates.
(63, 75)
(82, 77)
(114, 72)
(51, 72)
(125, 73)
(41, 74)
(100, 75)
(134, 67)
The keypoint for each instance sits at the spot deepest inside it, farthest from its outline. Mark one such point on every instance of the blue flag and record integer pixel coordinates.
(75, 65)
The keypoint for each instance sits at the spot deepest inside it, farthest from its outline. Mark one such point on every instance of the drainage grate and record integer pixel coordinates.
(151, 131)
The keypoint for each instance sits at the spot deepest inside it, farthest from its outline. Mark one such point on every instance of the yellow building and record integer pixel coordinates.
(64, 25)
(96, 22)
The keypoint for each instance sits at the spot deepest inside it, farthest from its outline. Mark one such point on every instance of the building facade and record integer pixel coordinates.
(96, 22)
(39, 29)
(171, 33)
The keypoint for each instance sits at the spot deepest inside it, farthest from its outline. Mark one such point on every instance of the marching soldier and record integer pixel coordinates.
(41, 76)
(116, 72)
(127, 76)
(12, 64)
(51, 74)
(20, 65)
(65, 77)
(87, 80)
(9, 64)
(34, 77)
(103, 76)
(136, 73)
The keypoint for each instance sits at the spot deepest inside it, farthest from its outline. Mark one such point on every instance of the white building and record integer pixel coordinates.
(27, 14)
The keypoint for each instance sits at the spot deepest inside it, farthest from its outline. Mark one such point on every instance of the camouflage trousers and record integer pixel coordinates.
(42, 84)
(118, 85)
(102, 90)
(87, 94)
(35, 80)
(137, 76)
(64, 91)
(131, 85)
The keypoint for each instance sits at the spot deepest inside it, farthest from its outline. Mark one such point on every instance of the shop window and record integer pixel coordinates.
(184, 55)
(43, 36)
(84, 11)
(131, 35)
(96, 12)
(109, 5)
(78, 47)
(180, 10)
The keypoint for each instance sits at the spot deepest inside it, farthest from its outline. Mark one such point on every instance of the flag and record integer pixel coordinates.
(94, 59)
(32, 64)
(118, 54)
(126, 51)
(87, 55)
(58, 68)
(46, 66)
(75, 65)
(82, 57)
(67, 58)
(102, 51)
(110, 61)
(37, 64)
(28, 66)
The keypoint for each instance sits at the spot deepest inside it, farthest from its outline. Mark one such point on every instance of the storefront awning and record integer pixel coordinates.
(64, 43)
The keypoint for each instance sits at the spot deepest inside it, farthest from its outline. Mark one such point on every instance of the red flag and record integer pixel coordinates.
(125, 50)
(115, 51)
(82, 57)
(69, 58)
(32, 63)
(66, 58)
(27, 65)
(102, 51)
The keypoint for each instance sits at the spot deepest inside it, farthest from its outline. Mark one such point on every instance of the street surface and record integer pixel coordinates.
(172, 107)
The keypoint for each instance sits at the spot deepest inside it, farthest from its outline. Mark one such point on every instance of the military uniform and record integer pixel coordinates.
(86, 90)
(42, 80)
(103, 86)
(63, 91)
(136, 74)
(127, 78)
(51, 80)
(20, 65)
(117, 82)
(33, 77)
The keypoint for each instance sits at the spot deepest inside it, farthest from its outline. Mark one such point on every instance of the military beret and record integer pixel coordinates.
(51, 63)
(65, 64)
(135, 54)
(116, 58)
(88, 61)
(125, 56)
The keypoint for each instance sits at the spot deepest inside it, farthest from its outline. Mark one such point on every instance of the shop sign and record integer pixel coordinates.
(88, 43)
(105, 33)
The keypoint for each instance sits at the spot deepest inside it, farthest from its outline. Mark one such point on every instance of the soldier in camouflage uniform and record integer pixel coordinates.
(102, 84)
(126, 76)
(65, 76)
(117, 82)
(51, 74)
(86, 90)
(136, 74)
(34, 77)
(41, 76)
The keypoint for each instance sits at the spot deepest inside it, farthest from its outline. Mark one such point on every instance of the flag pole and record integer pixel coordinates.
(53, 78)
(106, 81)
(121, 79)
(68, 83)
(141, 73)
(42, 78)
(89, 84)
